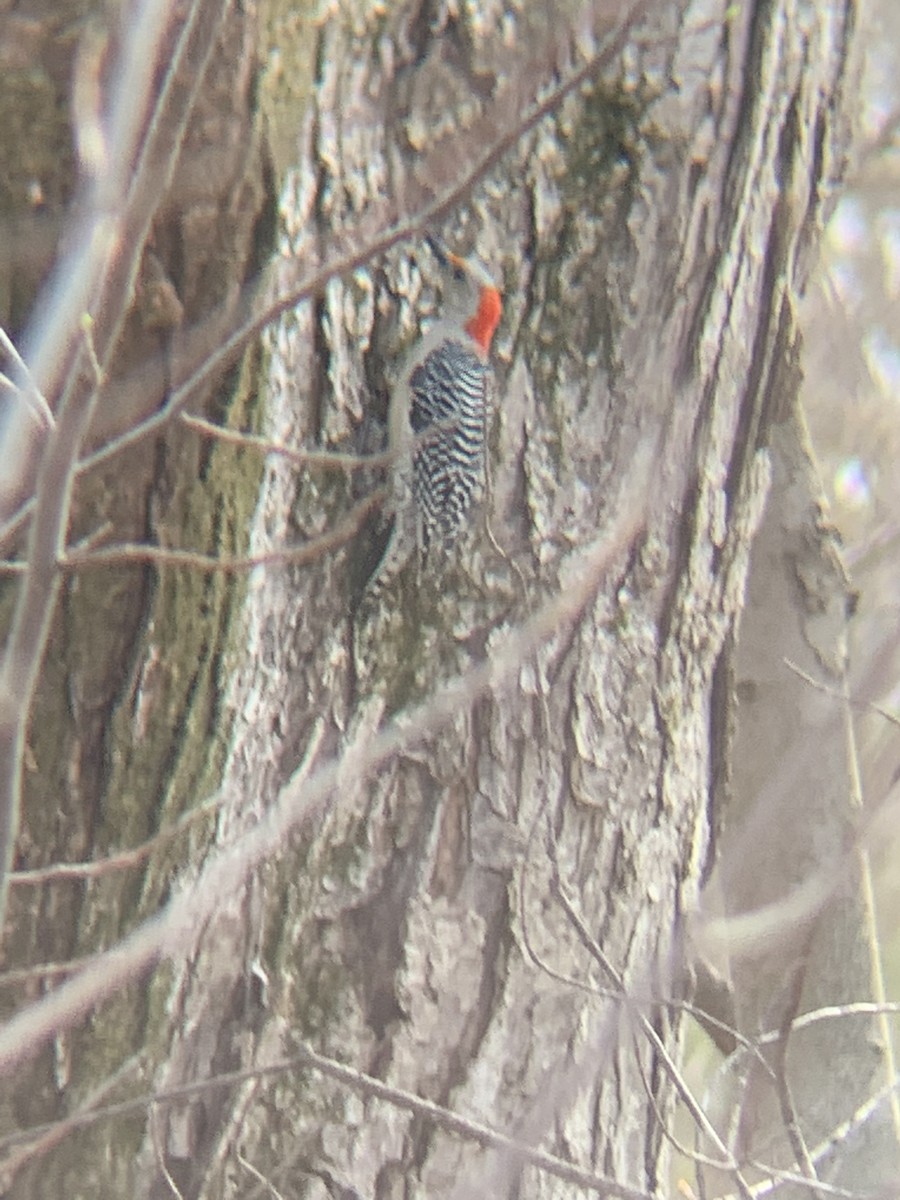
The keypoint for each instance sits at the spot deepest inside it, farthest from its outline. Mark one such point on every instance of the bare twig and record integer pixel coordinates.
(266, 1184)
(114, 862)
(210, 564)
(28, 390)
(327, 459)
(838, 694)
(46, 970)
(779, 1179)
(160, 1153)
(864, 1008)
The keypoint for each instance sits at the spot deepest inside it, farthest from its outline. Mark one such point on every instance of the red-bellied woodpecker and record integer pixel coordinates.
(438, 415)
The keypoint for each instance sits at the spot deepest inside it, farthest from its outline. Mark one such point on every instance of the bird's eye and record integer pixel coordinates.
(459, 274)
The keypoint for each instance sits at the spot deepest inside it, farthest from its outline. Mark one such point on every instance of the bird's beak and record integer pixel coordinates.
(444, 256)
(437, 249)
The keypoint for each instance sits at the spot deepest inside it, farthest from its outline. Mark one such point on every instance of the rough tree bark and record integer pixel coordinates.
(650, 231)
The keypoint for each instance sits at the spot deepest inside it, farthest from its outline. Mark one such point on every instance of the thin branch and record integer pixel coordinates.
(696, 1157)
(862, 1008)
(265, 1183)
(29, 391)
(114, 862)
(87, 329)
(91, 556)
(159, 1151)
(211, 564)
(47, 970)
(838, 695)
(327, 459)
(779, 1179)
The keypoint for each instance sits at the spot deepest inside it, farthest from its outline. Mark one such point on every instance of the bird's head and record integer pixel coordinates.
(469, 293)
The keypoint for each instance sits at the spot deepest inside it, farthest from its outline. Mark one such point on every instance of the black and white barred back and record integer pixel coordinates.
(447, 415)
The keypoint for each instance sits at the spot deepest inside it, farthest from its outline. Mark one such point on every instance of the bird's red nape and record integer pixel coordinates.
(481, 327)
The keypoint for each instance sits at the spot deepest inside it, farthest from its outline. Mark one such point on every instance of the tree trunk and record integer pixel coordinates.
(456, 834)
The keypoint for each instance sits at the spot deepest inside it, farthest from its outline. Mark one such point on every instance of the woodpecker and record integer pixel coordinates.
(437, 417)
